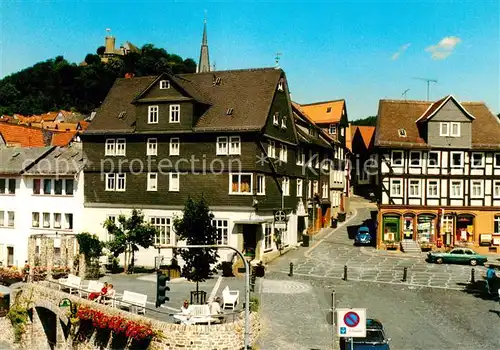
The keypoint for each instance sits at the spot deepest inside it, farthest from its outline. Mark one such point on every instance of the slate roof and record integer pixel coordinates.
(304, 137)
(60, 161)
(249, 92)
(14, 160)
(397, 114)
(318, 111)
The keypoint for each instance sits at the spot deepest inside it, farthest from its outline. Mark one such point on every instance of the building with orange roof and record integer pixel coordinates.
(26, 136)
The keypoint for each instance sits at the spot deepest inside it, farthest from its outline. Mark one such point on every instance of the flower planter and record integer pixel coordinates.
(391, 246)
(426, 248)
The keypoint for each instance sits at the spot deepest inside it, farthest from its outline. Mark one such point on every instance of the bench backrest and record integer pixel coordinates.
(135, 298)
(74, 280)
(199, 310)
(225, 291)
(95, 286)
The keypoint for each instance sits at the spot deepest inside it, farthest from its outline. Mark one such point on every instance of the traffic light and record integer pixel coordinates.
(161, 288)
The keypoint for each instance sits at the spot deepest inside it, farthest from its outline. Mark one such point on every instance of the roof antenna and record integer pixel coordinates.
(429, 81)
(277, 60)
(404, 93)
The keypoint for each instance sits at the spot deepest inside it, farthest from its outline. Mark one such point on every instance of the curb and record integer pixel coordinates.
(315, 245)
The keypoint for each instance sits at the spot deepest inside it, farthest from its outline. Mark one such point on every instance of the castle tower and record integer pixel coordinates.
(109, 43)
(204, 62)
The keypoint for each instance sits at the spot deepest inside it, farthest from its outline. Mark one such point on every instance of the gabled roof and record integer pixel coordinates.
(304, 137)
(22, 136)
(394, 115)
(436, 106)
(61, 161)
(366, 133)
(14, 160)
(325, 112)
(63, 138)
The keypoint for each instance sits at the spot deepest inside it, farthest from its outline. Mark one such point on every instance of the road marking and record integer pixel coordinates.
(215, 289)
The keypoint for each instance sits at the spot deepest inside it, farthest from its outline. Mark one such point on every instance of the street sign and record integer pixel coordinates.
(279, 216)
(351, 323)
(280, 225)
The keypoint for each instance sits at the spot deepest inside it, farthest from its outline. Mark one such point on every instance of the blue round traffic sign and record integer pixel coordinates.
(351, 319)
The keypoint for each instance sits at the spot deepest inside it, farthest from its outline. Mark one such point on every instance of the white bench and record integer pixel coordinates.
(72, 283)
(196, 314)
(93, 287)
(131, 299)
(230, 298)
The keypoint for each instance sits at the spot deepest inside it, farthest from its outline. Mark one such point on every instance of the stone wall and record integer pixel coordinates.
(227, 336)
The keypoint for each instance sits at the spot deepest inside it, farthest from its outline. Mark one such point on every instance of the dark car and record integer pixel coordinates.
(363, 236)
(375, 338)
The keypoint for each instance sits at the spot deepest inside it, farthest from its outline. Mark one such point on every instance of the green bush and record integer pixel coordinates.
(254, 303)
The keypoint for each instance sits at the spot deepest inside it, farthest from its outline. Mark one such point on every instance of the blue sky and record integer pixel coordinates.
(330, 49)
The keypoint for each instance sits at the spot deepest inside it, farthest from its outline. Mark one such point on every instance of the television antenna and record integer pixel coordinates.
(277, 59)
(404, 93)
(429, 81)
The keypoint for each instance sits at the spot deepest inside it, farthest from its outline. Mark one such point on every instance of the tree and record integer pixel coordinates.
(369, 121)
(128, 235)
(91, 248)
(100, 50)
(196, 228)
(92, 59)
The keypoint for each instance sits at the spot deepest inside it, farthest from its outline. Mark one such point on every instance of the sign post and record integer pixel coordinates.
(351, 323)
(280, 220)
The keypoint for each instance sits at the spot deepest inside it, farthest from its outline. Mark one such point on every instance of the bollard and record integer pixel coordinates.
(345, 273)
(405, 274)
(472, 276)
(291, 270)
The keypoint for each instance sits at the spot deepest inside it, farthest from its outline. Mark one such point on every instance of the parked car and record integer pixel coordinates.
(375, 339)
(457, 255)
(363, 236)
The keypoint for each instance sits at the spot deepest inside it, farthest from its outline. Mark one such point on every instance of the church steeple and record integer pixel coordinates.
(204, 62)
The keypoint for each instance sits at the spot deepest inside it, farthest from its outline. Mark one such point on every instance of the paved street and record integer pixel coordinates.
(433, 310)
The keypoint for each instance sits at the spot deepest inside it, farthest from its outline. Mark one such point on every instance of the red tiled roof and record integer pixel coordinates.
(324, 112)
(62, 138)
(367, 133)
(22, 136)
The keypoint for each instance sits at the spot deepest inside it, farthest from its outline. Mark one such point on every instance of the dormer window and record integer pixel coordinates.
(281, 85)
(276, 117)
(164, 84)
(328, 109)
(217, 80)
(283, 122)
(229, 111)
(402, 132)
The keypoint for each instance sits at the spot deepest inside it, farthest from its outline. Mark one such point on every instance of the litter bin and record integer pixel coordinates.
(305, 240)
(334, 223)
(341, 217)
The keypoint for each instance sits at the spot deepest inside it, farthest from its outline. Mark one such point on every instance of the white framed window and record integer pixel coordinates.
(271, 149)
(11, 219)
(222, 148)
(496, 161)
(268, 236)
(414, 190)
(35, 220)
(415, 158)
(164, 84)
(241, 183)
(309, 189)
(324, 190)
(110, 182)
(315, 187)
(457, 159)
(234, 145)
(397, 158)
(300, 184)
(396, 188)
(46, 220)
(284, 153)
(175, 113)
(69, 187)
(153, 114)
(121, 147)
(477, 160)
(342, 130)
(109, 149)
(173, 182)
(57, 220)
(332, 129)
(163, 226)
(496, 189)
(174, 146)
(285, 184)
(283, 122)
(121, 180)
(7, 186)
(455, 129)
(222, 227)
(456, 189)
(68, 221)
(152, 182)
(276, 119)
(432, 188)
(152, 147)
(444, 129)
(433, 160)
(477, 189)
(261, 184)
(301, 157)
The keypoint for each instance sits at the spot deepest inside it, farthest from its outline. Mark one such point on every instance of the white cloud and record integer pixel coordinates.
(444, 48)
(401, 50)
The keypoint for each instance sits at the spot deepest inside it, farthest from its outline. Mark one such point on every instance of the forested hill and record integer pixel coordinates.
(58, 84)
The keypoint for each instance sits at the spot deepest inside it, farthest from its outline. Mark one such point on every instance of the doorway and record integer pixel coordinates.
(249, 240)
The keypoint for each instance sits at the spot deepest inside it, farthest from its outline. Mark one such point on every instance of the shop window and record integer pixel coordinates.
(426, 228)
(408, 224)
(390, 225)
(465, 229)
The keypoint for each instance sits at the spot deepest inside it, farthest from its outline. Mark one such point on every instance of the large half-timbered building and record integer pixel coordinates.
(439, 170)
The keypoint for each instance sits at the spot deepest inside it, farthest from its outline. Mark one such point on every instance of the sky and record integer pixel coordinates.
(362, 51)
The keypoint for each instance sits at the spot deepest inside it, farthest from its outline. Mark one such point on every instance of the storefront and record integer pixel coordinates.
(391, 228)
(465, 229)
(408, 226)
(447, 229)
(426, 228)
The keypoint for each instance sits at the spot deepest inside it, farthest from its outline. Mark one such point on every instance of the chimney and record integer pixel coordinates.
(129, 75)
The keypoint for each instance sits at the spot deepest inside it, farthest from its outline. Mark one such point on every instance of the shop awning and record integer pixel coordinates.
(250, 222)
